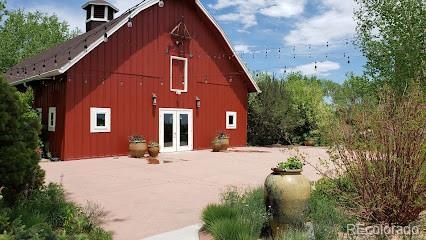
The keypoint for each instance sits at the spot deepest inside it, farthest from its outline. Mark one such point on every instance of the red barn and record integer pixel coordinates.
(163, 69)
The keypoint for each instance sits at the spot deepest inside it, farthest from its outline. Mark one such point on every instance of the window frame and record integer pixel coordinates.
(228, 125)
(94, 111)
(51, 127)
(178, 91)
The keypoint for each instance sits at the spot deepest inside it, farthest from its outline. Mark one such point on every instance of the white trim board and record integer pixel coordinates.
(136, 11)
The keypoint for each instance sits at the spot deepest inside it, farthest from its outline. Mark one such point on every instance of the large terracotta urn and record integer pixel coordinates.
(216, 145)
(138, 149)
(287, 194)
(225, 143)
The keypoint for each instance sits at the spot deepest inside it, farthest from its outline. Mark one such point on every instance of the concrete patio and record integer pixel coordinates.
(143, 198)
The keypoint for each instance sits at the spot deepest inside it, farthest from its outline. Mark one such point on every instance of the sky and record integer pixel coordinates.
(314, 37)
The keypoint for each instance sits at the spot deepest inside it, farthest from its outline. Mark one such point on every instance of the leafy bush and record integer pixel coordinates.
(381, 149)
(19, 129)
(292, 163)
(45, 214)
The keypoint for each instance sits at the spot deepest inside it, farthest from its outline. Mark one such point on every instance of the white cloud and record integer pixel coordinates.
(245, 11)
(242, 48)
(323, 68)
(334, 23)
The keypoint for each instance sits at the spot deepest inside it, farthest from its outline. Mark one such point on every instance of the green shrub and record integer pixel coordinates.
(380, 148)
(326, 210)
(215, 212)
(231, 229)
(294, 234)
(250, 207)
(45, 214)
(239, 216)
(19, 169)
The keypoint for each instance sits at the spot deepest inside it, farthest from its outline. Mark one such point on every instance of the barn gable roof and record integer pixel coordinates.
(61, 58)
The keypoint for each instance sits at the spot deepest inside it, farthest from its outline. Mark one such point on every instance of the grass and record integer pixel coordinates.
(239, 216)
(46, 214)
(243, 216)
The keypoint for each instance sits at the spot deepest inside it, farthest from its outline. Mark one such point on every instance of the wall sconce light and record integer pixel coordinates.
(161, 3)
(197, 102)
(154, 100)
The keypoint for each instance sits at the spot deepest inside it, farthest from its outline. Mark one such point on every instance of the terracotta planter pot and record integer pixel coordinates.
(217, 146)
(287, 193)
(153, 151)
(309, 142)
(225, 143)
(137, 149)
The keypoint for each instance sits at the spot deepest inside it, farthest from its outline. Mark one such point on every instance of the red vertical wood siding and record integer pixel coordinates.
(123, 73)
(52, 94)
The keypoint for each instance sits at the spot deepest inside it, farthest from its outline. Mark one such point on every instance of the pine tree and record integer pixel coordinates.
(19, 169)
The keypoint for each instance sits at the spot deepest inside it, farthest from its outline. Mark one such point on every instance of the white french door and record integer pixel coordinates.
(176, 130)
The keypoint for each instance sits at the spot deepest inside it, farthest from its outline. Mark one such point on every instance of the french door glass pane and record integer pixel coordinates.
(168, 130)
(183, 126)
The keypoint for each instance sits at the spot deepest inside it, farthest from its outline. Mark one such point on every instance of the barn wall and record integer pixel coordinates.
(52, 94)
(123, 73)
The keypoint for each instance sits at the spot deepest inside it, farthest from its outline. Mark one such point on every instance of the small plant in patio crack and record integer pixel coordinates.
(136, 139)
(292, 163)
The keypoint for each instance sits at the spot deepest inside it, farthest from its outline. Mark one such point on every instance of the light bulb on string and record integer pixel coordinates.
(310, 53)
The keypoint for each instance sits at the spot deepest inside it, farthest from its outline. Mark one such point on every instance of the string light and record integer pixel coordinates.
(130, 23)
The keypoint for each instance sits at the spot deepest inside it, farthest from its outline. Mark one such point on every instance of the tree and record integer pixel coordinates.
(288, 111)
(308, 114)
(19, 129)
(266, 111)
(2, 9)
(392, 36)
(23, 35)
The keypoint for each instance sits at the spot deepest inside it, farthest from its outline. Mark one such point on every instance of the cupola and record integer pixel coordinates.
(98, 12)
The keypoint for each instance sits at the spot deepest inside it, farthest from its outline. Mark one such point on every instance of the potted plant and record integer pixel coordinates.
(153, 149)
(310, 139)
(137, 146)
(216, 145)
(224, 140)
(287, 193)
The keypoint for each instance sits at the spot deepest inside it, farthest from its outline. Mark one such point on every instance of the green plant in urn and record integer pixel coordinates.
(287, 194)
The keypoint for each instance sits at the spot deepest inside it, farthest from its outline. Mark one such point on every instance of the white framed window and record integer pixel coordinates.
(51, 125)
(178, 74)
(231, 120)
(100, 120)
(40, 113)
